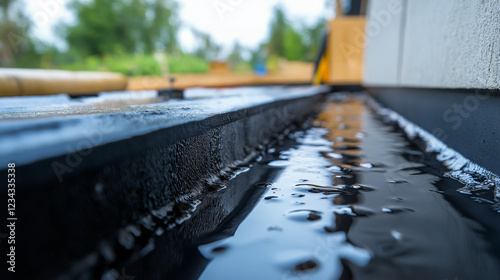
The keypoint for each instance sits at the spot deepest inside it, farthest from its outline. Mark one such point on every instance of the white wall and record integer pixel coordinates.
(439, 44)
(383, 35)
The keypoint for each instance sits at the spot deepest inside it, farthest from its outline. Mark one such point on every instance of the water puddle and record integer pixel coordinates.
(354, 200)
(349, 198)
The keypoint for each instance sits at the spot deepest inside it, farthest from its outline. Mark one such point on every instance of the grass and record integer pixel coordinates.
(140, 64)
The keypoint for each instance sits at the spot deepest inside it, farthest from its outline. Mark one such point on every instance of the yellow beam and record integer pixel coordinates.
(345, 51)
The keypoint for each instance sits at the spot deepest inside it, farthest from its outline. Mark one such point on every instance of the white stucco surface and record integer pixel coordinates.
(384, 28)
(446, 44)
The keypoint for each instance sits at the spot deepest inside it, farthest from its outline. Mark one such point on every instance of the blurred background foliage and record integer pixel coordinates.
(140, 37)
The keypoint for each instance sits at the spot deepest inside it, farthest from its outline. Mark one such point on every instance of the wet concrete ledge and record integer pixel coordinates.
(134, 182)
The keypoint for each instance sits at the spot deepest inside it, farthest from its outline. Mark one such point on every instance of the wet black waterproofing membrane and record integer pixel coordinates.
(346, 194)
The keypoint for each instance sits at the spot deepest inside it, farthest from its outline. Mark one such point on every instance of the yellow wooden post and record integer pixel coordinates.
(346, 43)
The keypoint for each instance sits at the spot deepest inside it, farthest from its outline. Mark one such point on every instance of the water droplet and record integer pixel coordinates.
(397, 181)
(397, 235)
(343, 168)
(343, 176)
(464, 190)
(396, 209)
(334, 169)
(264, 184)
(107, 251)
(220, 249)
(362, 187)
(314, 217)
(270, 197)
(163, 212)
(330, 229)
(184, 207)
(274, 228)
(335, 155)
(308, 265)
(366, 165)
(126, 239)
(278, 163)
(304, 215)
(159, 231)
(361, 211)
(215, 187)
(360, 135)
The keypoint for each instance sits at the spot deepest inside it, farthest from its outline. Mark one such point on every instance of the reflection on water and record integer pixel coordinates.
(354, 199)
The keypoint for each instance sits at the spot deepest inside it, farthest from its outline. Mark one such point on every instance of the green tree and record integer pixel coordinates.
(96, 31)
(285, 40)
(207, 49)
(129, 26)
(235, 58)
(293, 44)
(279, 27)
(16, 46)
(164, 26)
(259, 54)
(314, 36)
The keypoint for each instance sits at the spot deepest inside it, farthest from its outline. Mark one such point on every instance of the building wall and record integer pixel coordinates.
(383, 35)
(435, 44)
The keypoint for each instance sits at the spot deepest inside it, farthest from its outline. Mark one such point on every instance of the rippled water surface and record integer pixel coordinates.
(353, 199)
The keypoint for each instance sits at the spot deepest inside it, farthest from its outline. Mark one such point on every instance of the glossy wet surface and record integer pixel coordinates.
(349, 198)
(353, 201)
(58, 120)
